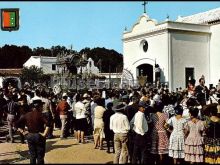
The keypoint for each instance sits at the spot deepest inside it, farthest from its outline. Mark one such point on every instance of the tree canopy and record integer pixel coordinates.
(106, 60)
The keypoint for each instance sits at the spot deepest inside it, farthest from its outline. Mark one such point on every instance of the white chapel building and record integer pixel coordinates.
(186, 48)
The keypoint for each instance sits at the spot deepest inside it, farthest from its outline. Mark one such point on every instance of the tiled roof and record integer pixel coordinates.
(10, 72)
(202, 18)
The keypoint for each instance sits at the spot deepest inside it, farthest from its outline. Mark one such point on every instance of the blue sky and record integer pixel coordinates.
(88, 24)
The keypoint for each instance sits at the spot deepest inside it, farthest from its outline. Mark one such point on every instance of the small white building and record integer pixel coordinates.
(187, 47)
(90, 68)
(48, 64)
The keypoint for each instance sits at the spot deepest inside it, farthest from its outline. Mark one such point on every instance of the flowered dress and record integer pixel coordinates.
(212, 143)
(194, 141)
(159, 134)
(176, 141)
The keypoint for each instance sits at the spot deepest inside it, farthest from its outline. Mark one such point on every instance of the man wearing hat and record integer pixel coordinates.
(140, 127)
(36, 132)
(120, 125)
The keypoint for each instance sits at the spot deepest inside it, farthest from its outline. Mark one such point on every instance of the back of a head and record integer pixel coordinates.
(159, 106)
(191, 102)
(178, 110)
(194, 112)
(37, 92)
(43, 94)
(109, 106)
(100, 101)
(95, 97)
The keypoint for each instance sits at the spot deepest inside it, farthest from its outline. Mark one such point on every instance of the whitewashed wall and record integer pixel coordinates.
(215, 54)
(157, 50)
(189, 49)
(133, 54)
(46, 64)
(42, 62)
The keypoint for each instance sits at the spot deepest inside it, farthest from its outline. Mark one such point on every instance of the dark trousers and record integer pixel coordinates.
(49, 118)
(69, 124)
(131, 135)
(140, 150)
(57, 121)
(37, 147)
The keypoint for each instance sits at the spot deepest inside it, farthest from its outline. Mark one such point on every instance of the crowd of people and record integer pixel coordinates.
(144, 125)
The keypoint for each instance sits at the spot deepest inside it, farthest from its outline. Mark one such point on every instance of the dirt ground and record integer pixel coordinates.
(57, 151)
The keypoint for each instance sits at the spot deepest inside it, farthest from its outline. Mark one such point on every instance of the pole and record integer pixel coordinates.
(109, 70)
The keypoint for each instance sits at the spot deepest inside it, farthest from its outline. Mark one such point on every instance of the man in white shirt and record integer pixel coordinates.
(140, 127)
(37, 96)
(81, 121)
(120, 125)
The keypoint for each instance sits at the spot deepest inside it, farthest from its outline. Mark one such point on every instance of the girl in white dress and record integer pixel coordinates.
(176, 141)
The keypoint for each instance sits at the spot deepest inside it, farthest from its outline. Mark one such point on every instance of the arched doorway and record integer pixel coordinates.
(146, 69)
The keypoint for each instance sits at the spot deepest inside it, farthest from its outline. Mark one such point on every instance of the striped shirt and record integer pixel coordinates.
(12, 108)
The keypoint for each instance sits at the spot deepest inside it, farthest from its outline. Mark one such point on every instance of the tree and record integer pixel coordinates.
(110, 59)
(32, 75)
(13, 56)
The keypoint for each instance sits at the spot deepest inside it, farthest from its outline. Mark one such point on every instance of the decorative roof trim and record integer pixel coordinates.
(138, 22)
(164, 28)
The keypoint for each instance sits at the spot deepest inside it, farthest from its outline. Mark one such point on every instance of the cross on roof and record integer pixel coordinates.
(144, 4)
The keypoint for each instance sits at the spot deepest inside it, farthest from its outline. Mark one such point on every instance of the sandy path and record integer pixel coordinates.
(57, 151)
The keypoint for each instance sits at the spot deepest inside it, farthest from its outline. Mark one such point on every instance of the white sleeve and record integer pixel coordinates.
(170, 121)
(126, 122)
(110, 125)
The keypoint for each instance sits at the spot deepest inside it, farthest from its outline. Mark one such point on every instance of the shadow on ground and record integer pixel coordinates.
(111, 162)
(50, 146)
(23, 155)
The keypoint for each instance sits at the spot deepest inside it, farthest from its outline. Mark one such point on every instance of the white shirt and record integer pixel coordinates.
(119, 123)
(80, 110)
(140, 123)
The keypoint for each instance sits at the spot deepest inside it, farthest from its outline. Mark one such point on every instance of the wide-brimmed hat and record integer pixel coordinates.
(37, 102)
(142, 104)
(119, 107)
(86, 95)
